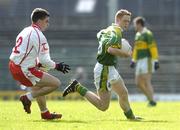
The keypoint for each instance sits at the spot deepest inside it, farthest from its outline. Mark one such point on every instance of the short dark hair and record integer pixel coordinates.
(140, 20)
(39, 13)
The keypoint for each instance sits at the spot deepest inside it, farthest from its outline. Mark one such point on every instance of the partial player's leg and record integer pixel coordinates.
(120, 89)
(122, 92)
(41, 100)
(143, 81)
(144, 69)
(150, 90)
(140, 83)
(45, 114)
(100, 101)
(46, 85)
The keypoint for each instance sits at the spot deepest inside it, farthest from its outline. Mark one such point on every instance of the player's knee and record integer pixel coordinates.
(56, 84)
(104, 107)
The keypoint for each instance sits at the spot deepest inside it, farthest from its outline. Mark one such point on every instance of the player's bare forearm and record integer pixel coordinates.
(118, 52)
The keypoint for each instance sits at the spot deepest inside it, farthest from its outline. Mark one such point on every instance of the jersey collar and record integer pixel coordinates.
(36, 26)
(143, 30)
(113, 24)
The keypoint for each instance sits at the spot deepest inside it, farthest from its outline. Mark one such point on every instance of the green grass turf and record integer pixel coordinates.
(81, 115)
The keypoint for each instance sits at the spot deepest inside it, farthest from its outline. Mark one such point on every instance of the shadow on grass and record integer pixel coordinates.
(157, 121)
(61, 121)
(140, 121)
(105, 120)
(148, 121)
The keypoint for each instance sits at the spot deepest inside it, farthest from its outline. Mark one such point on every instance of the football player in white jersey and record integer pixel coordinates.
(31, 44)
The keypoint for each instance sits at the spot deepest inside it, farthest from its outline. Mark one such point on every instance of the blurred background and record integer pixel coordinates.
(72, 38)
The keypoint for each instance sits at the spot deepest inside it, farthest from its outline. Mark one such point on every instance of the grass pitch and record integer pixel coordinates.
(81, 115)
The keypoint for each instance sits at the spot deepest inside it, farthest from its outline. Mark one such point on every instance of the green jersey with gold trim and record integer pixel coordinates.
(145, 46)
(109, 37)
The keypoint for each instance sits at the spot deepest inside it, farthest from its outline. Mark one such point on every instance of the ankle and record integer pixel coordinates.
(129, 114)
(44, 111)
(152, 103)
(81, 89)
(29, 96)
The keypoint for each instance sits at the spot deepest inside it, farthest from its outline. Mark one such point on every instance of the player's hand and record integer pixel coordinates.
(156, 65)
(133, 64)
(64, 68)
(130, 53)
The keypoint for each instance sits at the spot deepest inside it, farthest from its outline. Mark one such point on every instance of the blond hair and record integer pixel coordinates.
(120, 13)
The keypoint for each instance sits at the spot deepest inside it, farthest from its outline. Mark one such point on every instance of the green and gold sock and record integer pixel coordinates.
(81, 90)
(129, 114)
(152, 103)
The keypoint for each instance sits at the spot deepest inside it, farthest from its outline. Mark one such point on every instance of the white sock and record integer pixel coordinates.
(44, 110)
(29, 96)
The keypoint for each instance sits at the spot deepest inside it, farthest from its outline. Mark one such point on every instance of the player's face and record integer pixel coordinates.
(136, 26)
(125, 21)
(44, 23)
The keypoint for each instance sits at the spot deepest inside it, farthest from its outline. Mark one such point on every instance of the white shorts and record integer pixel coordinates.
(104, 76)
(144, 66)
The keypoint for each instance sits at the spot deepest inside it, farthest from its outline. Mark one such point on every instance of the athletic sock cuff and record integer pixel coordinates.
(129, 114)
(82, 90)
(29, 96)
(44, 111)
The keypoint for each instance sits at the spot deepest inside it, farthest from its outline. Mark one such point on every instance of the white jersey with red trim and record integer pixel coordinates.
(30, 45)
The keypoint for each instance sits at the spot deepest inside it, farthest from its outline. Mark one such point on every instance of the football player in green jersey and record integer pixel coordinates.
(106, 77)
(145, 58)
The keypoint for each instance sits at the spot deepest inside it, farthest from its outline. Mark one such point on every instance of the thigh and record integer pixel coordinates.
(114, 76)
(147, 78)
(143, 79)
(139, 79)
(115, 79)
(48, 80)
(35, 88)
(119, 87)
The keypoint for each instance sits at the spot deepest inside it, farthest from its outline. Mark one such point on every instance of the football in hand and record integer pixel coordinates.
(126, 47)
